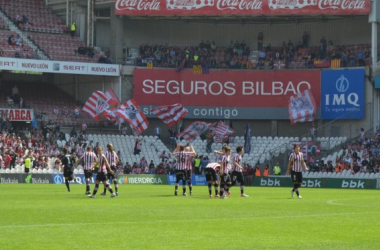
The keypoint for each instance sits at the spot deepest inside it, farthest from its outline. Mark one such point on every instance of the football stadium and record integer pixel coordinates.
(189, 124)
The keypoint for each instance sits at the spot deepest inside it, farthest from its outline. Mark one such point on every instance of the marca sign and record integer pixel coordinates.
(224, 94)
(59, 67)
(343, 94)
(242, 7)
(25, 115)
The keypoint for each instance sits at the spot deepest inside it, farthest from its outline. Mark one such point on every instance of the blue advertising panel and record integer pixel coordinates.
(79, 179)
(342, 94)
(196, 180)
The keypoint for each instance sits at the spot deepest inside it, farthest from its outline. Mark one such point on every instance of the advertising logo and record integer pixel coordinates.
(342, 94)
(290, 4)
(56, 66)
(188, 4)
(58, 179)
(28, 178)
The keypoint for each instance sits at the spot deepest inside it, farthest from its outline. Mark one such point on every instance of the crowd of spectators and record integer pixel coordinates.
(238, 54)
(362, 156)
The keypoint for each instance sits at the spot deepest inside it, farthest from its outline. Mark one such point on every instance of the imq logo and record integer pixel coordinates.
(342, 84)
(342, 94)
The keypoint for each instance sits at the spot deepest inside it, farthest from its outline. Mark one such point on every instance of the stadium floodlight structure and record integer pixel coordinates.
(90, 22)
(374, 18)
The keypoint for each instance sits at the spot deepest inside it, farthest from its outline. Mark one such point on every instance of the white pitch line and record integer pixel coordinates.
(191, 220)
(333, 202)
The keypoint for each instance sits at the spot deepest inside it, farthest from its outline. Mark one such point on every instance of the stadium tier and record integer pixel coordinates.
(14, 48)
(40, 17)
(62, 47)
(239, 56)
(48, 102)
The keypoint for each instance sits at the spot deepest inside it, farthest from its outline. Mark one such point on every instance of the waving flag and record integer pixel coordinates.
(99, 104)
(302, 107)
(193, 130)
(132, 113)
(170, 114)
(110, 113)
(221, 131)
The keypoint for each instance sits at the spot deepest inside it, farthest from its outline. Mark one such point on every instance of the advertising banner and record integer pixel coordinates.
(25, 115)
(79, 179)
(197, 180)
(224, 94)
(39, 179)
(241, 7)
(17, 64)
(143, 179)
(13, 178)
(342, 94)
(350, 183)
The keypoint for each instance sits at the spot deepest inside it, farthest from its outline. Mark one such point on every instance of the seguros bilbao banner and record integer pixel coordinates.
(224, 94)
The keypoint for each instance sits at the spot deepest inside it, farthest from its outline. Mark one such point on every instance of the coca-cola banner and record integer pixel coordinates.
(224, 94)
(241, 7)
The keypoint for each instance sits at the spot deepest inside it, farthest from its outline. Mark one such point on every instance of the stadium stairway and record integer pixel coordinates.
(23, 36)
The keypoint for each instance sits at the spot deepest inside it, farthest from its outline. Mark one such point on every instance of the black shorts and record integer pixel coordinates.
(180, 175)
(101, 177)
(238, 176)
(69, 175)
(296, 177)
(211, 175)
(225, 179)
(87, 174)
(112, 176)
(188, 174)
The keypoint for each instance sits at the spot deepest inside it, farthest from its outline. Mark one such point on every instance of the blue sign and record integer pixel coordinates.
(342, 94)
(171, 179)
(196, 180)
(79, 179)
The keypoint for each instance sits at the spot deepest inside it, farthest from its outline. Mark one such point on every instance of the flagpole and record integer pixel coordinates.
(119, 89)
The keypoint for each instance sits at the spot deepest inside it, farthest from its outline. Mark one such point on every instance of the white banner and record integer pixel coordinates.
(25, 115)
(59, 67)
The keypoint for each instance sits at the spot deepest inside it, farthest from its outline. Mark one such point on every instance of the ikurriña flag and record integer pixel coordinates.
(193, 130)
(99, 104)
(302, 107)
(131, 112)
(170, 114)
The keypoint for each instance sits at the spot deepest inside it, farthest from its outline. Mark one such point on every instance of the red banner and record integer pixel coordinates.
(26, 115)
(241, 7)
(223, 88)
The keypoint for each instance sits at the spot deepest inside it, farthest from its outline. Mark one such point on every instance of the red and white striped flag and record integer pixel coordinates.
(222, 131)
(132, 113)
(302, 107)
(170, 114)
(98, 105)
(193, 130)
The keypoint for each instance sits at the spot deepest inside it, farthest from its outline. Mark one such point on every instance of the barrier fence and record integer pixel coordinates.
(198, 180)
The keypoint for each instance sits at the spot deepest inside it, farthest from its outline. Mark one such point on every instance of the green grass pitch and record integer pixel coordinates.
(150, 217)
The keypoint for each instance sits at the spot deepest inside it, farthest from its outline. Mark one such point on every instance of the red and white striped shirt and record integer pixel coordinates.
(112, 158)
(89, 159)
(189, 162)
(182, 159)
(237, 159)
(214, 165)
(102, 164)
(225, 163)
(296, 160)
